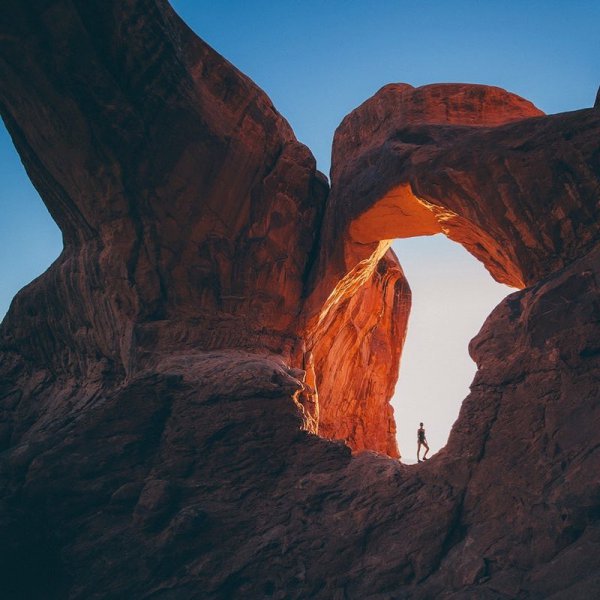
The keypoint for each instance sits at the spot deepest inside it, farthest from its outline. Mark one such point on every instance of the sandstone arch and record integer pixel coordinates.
(154, 427)
(456, 159)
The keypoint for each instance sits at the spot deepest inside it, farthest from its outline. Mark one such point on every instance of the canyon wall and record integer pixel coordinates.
(216, 307)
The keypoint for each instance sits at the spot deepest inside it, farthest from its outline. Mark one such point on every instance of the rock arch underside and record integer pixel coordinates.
(217, 305)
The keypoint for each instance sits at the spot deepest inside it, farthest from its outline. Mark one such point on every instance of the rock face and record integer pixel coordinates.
(215, 307)
(473, 162)
(486, 188)
(186, 198)
(357, 345)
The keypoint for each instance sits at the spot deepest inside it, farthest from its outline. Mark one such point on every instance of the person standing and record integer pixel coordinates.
(421, 441)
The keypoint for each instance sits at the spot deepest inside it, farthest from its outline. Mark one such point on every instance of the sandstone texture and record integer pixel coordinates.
(194, 398)
(357, 346)
(488, 188)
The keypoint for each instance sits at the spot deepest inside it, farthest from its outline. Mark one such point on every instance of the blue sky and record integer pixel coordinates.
(318, 60)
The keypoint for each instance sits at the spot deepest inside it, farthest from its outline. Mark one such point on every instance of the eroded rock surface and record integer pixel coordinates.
(429, 171)
(161, 384)
(357, 344)
(183, 196)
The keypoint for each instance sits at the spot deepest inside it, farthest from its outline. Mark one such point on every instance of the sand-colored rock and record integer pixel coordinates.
(161, 384)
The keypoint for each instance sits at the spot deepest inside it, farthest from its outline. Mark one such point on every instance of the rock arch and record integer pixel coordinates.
(450, 158)
(154, 425)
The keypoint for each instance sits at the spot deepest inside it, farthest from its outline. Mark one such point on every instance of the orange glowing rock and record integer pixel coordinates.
(357, 344)
(474, 162)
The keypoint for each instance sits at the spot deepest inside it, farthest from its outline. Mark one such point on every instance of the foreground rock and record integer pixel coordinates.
(184, 483)
(162, 384)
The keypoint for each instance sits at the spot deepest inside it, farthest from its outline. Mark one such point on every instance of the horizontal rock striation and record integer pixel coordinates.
(215, 306)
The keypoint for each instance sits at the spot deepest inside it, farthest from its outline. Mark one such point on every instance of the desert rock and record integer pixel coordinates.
(216, 307)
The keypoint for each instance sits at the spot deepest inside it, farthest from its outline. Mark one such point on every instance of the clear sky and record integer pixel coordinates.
(318, 60)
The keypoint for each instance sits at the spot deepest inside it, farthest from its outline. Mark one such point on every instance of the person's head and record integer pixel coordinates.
(420, 424)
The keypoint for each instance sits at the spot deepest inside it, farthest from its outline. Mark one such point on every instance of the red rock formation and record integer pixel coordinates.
(411, 178)
(357, 344)
(157, 382)
(209, 206)
(178, 187)
(399, 170)
(400, 104)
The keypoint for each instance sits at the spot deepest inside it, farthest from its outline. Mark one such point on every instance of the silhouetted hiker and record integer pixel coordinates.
(421, 441)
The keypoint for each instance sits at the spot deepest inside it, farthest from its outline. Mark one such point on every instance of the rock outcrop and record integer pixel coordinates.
(357, 344)
(473, 162)
(179, 189)
(429, 170)
(215, 307)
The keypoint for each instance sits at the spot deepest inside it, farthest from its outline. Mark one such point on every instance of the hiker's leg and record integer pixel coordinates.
(418, 450)
(426, 450)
